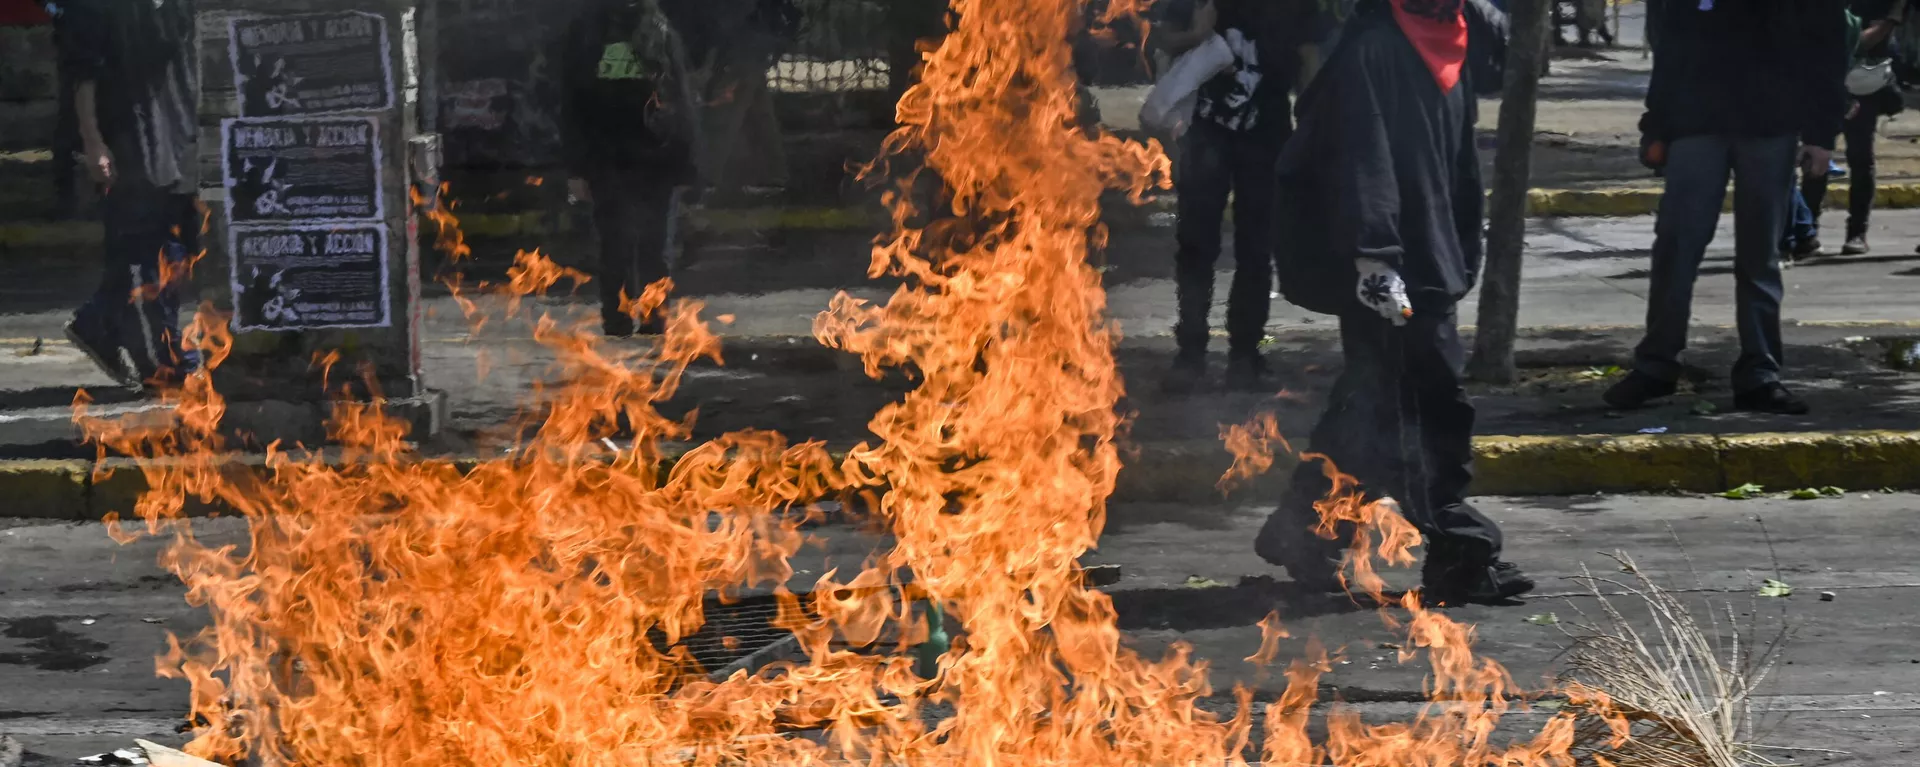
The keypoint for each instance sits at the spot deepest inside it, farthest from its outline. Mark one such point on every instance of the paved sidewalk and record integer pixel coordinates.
(1582, 302)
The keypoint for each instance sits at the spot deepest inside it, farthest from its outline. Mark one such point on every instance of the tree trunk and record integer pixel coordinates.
(1507, 211)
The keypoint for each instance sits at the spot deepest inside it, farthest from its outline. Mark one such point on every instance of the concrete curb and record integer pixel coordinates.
(1636, 201)
(1185, 472)
(1542, 203)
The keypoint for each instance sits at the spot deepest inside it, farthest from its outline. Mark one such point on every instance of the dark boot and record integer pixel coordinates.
(1287, 540)
(1455, 575)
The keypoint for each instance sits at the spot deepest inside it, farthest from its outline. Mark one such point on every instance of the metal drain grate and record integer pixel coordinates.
(740, 635)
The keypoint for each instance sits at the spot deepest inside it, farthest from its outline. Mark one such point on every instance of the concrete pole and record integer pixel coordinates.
(311, 135)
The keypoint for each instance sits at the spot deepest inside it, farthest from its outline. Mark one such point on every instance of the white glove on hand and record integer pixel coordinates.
(1383, 291)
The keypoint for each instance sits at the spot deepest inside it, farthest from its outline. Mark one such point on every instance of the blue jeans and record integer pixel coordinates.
(1803, 224)
(1697, 172)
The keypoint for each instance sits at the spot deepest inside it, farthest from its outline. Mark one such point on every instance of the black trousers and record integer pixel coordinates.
(150, 235)
(1217, 164)
(635, 213)
(1859, 131)
(1399, 421)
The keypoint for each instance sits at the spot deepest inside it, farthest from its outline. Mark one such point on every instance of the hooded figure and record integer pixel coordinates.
(1378, 222)
(628, 132)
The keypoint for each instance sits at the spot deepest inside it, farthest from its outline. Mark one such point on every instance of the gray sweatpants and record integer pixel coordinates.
(1697, 171)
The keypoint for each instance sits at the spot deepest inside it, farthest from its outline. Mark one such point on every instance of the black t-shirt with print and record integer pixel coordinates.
(1265, 36)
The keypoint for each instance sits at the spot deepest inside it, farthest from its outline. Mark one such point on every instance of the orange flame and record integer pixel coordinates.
(393, 609)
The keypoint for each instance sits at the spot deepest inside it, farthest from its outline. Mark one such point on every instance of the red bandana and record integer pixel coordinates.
(1438, 31)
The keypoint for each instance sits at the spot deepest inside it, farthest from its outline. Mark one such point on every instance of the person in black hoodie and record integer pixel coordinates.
(1379, 222)
(628, 118)
(1739, 88)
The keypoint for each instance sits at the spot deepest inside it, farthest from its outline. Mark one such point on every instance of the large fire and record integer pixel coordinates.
(391, 609)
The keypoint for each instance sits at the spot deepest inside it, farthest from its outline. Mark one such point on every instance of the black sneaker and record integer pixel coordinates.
(1807, 248)
(105, 357)
(1636, 390)
(1249, 374)
(1856, 246)
(1771, 398)
(1286, 541)
(1186, 375)
(1447, 583)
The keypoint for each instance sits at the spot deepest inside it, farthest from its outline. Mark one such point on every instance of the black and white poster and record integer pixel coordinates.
(309, 277)
(295, 65)
(302, 169)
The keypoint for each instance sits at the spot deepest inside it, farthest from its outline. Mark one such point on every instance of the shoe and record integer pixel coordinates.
(1856, 246)
(1447, 582)
(1806, 248)
(1636, 390)
(1249, 374)
(1287, 541)
(105, 357)
(1771, 398)
(1186, 375)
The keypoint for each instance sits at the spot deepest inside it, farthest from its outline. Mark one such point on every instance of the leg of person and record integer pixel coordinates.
(1359, 439)
(1813, 195)
(96, 326)
(1860, 130)
(724, 122)
(769, 155)
(1803, 235)
(66, 143)
(146, 222)
(1463, 545)
(1697, 169)
(1251, 299)
(616, 216)
(1762, 166)
(653, 214)
(1204, 181)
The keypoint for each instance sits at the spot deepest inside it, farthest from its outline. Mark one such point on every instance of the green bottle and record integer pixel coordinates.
(927, 655)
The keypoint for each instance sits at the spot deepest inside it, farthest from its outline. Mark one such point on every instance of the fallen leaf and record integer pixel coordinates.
(1544, 619)
(1775, 589)
(1197, 582)
(1805, 494)
(1704, 407)
(1744, 492)
(1549, 705)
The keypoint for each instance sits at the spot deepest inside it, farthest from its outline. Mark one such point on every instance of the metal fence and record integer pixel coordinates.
(843, 46)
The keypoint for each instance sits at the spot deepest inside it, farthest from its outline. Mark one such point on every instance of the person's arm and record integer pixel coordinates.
(1469, 193)
(573, 135)
(1364, 182)
(1178, 40)
(1881, 18)
(1823, 68)
(84, 54)
(1654, 128)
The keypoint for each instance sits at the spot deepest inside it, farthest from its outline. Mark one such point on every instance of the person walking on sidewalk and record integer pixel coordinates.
(1877, 96)
(1379, 221)
(1241, 119)
(627, 117)
(136, 99)
(1738, 88)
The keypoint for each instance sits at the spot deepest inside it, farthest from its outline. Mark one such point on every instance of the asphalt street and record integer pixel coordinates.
(82, 618)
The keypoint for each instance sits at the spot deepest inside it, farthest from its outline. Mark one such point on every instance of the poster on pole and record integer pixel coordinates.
(310, 277)
(312, 64)
(302, 169)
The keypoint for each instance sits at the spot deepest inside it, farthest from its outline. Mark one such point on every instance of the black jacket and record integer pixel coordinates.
(624, 105)
(1382, 165)
(1748, 68)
